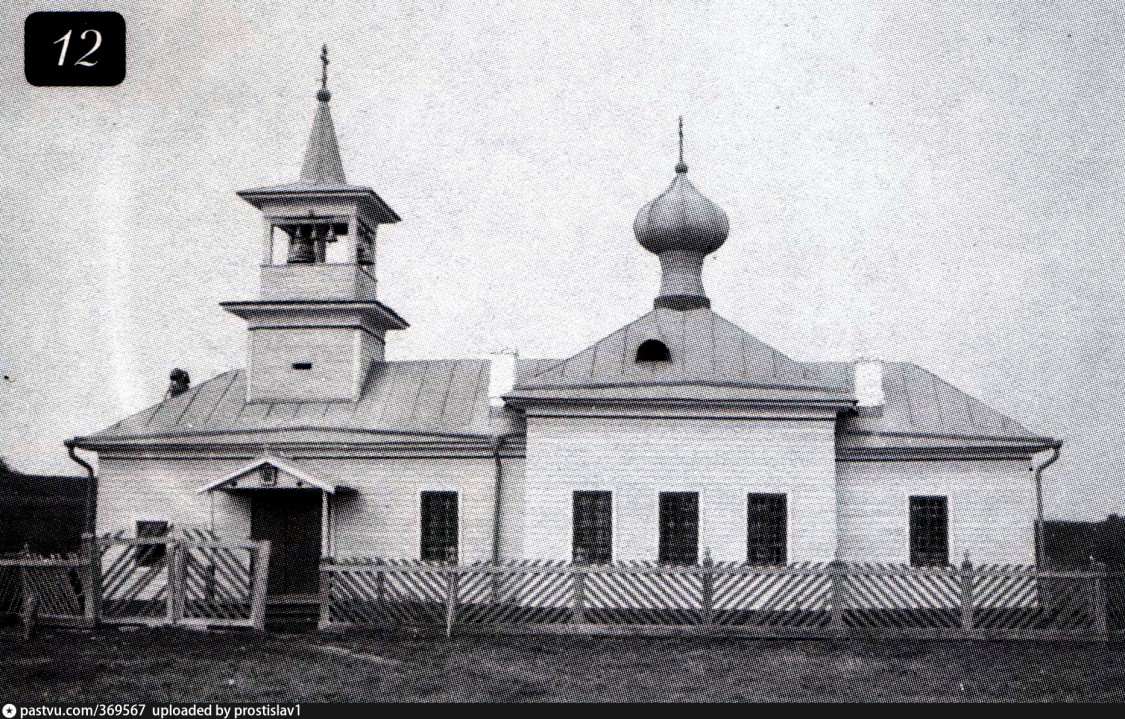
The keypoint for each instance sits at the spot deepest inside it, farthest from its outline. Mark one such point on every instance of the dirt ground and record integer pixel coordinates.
(184, 666)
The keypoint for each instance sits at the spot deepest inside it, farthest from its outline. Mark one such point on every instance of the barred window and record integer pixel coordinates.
(151, 555)
(766, 529)
(593, 527)
(439, 527)
(679, 527)
(929, 531)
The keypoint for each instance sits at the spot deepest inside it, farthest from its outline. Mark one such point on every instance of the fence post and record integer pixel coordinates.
(326, 580)
(30, 610)
(967, 595)
(578, 598)
(30, 614)
(451, 601)
(1098, 600)
(380, 586)
(708, 588)
(494, 583)
(91, 576)
(176, 579)
(837, 574)
(261, 582)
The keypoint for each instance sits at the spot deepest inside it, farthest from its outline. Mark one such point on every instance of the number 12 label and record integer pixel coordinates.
(74, 49)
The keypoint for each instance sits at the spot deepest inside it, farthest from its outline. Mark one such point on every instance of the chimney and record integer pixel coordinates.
(502, 375)
(869, 387)
(179, 382)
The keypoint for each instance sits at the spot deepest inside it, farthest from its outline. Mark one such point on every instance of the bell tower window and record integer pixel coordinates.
(653, 351)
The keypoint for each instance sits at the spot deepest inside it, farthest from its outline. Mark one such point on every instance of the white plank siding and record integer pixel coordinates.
(991, 509)
(380, 520)
(723, 460)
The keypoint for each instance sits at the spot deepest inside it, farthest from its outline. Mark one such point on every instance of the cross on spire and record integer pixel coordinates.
(681, 167)
(323, 95)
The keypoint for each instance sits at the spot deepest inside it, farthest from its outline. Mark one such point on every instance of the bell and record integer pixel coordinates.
(301, 249)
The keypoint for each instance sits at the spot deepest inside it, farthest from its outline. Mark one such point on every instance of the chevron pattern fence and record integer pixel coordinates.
(800, 600)
(135, 579)
(58, 590)
(191, 579)
(11, 599)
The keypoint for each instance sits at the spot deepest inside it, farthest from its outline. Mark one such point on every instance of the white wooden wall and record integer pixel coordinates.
(381, 520)
(991, 509)
(723, 460)
(991, 503)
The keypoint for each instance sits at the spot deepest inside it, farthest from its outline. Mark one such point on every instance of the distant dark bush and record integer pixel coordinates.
(1072, 544)
(45, 514)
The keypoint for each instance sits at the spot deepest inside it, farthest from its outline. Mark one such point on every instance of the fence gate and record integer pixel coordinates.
(193, 579)
(134, 576)
(222, 583)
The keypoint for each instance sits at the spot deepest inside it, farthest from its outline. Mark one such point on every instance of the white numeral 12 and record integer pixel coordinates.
(65, 40)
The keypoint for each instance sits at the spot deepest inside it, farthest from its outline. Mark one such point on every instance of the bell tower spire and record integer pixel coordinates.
(318, 325)
(322, 165)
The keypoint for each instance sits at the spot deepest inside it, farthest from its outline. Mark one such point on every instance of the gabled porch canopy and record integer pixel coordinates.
(273, 473)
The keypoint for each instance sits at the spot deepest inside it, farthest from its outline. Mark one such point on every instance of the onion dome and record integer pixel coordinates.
(681, 227)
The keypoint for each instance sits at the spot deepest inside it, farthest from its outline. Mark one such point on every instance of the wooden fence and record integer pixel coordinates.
(192, 579)
(59, 590)
(809, 600)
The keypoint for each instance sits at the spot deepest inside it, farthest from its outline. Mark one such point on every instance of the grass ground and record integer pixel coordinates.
(184, 666)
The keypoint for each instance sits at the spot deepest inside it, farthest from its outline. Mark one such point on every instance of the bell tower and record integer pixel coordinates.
(318, 325)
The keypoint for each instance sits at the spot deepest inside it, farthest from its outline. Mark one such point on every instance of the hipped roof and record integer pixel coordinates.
(712, 359)
(417, 399)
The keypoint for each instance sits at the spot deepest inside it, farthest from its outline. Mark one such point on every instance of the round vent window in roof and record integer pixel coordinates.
(653, 351)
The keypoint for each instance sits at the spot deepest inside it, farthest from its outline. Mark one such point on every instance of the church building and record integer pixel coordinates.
(678, 436)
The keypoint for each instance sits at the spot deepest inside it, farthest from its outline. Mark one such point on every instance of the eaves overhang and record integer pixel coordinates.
(374, 206)
(891, 447)
(253, 309)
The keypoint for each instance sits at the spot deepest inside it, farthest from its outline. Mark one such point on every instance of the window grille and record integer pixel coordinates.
(439, 527)
(766, 529)
(929, 531)
(593, 527)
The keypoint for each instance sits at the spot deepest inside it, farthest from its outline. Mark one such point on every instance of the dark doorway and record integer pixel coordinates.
(679, 527)
(290, 520)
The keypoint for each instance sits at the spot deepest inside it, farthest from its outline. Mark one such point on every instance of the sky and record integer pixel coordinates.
(934, 182)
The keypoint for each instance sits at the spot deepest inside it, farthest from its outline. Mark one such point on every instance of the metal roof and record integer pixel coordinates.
(919, 404)
(447, 400)
(422, 398)
(322, 173)
(322, 156)
(711, 358)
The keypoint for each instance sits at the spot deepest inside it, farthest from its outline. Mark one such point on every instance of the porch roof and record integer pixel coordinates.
(299, 477)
